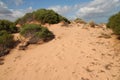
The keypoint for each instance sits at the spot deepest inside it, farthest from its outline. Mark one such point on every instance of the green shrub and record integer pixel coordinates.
(8, 26)
(36, 32)
(114, 23)
(26, 18)
(29, 30)
(6, 42)
(44, 33)
(48, 16)
(43, 16)
(6, 39)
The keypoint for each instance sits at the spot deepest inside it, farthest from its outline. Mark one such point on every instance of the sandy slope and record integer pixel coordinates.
(75, 54)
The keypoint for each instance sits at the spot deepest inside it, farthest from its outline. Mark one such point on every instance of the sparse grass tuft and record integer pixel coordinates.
(92, 24)
(78, 20)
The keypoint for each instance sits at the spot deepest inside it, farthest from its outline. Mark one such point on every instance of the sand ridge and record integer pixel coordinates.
(75, 54)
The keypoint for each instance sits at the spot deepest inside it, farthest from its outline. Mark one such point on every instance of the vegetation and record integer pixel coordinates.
(36, 32)
(8, 26)
(6, 38)
(43, 16)
(114, 23)
(6, 42)
(92, 24)
(78, 20)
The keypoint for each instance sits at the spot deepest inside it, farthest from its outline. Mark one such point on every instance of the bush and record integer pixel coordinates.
(26, 18)
(78, 20)
(36, 32)
(43, 16)
(6, 42)
(92, 24)
(8, 26)
(114, 23)
(48, 16)
(28, 30)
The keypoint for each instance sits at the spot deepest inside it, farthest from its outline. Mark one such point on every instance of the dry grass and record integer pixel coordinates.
(92, 24)
(78, 20)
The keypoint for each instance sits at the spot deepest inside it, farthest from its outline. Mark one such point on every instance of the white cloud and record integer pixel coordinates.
(95, 9)
(98, 9)
(61, 9)
(2, 4)
(18, 2)
(19, 13)
(4, 9)
(11, 14)
(67, 11)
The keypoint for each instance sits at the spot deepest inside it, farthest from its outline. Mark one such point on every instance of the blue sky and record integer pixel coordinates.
(40, 3)
(97, 10)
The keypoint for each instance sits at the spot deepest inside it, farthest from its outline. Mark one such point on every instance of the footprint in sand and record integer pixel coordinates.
(60, 56)
(82, 78)
(1, 61)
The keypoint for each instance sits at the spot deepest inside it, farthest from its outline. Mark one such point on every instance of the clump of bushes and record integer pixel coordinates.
(8, 26)
(43, 16)
(6, 42)
(78, 20)
(114, 23)
(36, 33)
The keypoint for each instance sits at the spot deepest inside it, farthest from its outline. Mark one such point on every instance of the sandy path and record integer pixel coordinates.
(75, 54)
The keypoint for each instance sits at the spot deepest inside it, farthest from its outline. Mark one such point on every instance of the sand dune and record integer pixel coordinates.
(75, 54)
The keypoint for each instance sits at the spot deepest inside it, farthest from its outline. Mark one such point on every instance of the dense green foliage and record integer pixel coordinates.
(8, 26)
(36, 32)
(29, 29)
(6, 39)
(6, 42)
(26, 18)
(43, 16)
(114, 23)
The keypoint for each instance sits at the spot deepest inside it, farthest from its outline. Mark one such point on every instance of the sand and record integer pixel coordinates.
(76, 53)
